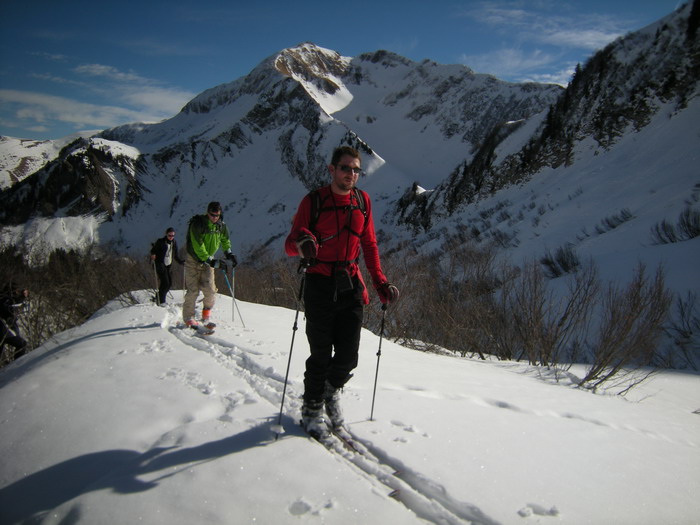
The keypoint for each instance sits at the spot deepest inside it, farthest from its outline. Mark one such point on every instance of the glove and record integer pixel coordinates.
(388, 293)
(232, 258)
(307, 246)
(216, 263)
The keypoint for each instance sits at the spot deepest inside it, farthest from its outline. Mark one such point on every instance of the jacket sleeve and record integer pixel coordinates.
(370, 250)
(225, 239)
(6, 310)
(195, 234)
(155, 247)
(300, 227)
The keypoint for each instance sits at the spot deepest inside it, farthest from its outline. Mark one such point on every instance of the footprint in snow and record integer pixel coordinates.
(539, 510)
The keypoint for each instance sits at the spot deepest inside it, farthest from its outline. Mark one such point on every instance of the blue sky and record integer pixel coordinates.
(78, 65)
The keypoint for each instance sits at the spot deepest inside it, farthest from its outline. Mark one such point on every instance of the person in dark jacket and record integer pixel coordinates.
(329, 237)
(163, 252)
(10, 302)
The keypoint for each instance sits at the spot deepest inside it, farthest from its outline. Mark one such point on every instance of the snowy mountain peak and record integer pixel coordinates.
(307, 61)
(320, 71)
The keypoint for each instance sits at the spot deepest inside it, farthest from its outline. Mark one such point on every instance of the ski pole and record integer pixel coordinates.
(233, 297)
(278, 428)
(155, 274)
(379, 354)
(233, 294)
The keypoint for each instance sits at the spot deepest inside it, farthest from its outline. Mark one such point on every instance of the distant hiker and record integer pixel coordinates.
(330, 227)
(205, 235)
(163, 251)
(10, 303)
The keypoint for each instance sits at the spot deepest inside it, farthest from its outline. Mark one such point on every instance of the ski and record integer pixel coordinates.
(346, 438)
(335, 439)
(204, 329)
(327, 440)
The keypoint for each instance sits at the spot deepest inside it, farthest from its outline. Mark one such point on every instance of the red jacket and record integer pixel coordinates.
(339, 237)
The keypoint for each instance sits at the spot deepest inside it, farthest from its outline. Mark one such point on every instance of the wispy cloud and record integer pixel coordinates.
(507, 61)
(575, 30)
(131, 98)
(136, 91)
(41, 109)
(55, 57)
(156, 48)
(543, 34)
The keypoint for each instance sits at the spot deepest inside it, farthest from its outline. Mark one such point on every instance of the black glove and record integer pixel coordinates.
(308, 249)
(216, 263)
(388, 293)
(232, 258)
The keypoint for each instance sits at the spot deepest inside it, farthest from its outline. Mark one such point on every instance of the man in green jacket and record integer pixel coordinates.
(205, 235)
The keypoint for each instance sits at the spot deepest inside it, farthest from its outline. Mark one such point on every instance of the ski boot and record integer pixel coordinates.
(331, 399)
(312, 420)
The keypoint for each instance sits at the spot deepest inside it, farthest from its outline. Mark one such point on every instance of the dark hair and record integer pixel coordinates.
(343, 150)
(214, 206)
(170, 230)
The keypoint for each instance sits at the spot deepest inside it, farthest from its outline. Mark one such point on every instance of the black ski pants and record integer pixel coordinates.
(165, 278)
(9, 336)
(333, 324)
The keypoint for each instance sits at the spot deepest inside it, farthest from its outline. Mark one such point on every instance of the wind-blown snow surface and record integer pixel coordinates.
(129, 419)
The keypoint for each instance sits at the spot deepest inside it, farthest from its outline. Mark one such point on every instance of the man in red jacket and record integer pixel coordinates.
(330, 227)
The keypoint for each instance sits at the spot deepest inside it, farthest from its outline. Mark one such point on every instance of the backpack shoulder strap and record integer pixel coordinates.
(316, 204)
(361, 204)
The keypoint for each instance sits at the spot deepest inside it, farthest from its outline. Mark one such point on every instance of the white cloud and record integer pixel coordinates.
(507, 61)
(545, 37)
(544, 25)
(591, 39)
(561, 77)
(40, 109)
(128, 97)
(137, 91)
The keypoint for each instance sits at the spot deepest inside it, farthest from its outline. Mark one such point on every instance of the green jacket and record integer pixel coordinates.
(204, 238)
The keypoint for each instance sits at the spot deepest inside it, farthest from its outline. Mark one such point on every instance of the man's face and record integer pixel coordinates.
(214, 215)
(344, 176)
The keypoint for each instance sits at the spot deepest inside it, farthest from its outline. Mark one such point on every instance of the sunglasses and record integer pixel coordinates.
(213, 214)
(348, 169)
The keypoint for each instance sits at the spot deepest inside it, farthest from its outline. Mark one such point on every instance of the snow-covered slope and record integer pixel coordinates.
(129, 419)
(19, 158)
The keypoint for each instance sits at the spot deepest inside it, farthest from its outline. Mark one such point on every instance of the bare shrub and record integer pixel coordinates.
(612, 222)
(631, 325)
(266, 278)
(684, 333)
(564, 261)
(686, 228)
(548, 328)
(70, 287)
(689, 224)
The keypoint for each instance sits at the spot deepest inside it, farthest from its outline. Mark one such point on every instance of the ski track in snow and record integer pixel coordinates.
(426, 498)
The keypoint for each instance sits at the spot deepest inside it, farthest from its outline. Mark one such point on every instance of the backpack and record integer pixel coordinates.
(317, 207)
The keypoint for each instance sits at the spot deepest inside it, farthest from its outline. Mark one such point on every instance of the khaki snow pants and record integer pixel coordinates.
(199, 276)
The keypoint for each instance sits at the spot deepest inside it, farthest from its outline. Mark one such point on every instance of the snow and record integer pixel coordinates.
(129, 419)
(40, 236)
